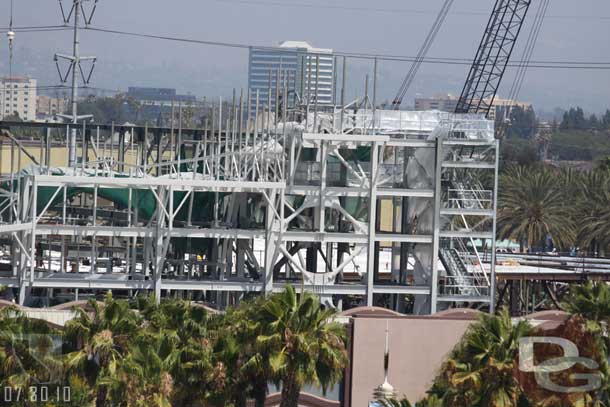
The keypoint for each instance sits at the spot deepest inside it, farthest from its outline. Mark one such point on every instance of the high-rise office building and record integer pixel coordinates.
(308, 72)
(18, 97)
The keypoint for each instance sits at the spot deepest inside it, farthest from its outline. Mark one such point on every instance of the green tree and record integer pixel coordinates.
(480, 370)
(574, 119)
(305, 347)
(606, 119)
(532, 205)
(591, 302)
(594, 210)
(144, 376)
(27, 351)
(248, 369)
(522, 122)
(97, 339)
(187, 356)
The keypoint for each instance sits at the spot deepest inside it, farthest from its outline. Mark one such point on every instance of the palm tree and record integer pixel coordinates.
(532, 206)
(143, 377)
(248, 370)
(98, 338)
(480, 371)
(590, 300)
(28, 351)
(304, 346)
(195, 374)
(593, 205)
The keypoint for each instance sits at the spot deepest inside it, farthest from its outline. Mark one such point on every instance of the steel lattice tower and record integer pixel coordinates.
(493, 56)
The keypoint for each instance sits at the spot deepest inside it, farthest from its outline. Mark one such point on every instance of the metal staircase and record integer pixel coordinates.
(459, 280)
(466, 275)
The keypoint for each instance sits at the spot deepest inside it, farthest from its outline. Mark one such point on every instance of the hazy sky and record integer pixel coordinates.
(575, 30)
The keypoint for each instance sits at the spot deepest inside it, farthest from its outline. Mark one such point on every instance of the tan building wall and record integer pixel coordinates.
(18, 95)
(49, 106)
(58, 157)
(418, 347)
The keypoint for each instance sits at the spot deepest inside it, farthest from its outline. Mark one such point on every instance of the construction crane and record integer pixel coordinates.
(493, 55)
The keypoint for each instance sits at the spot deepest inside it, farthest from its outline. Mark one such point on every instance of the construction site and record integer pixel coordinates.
(356, 204)
(363, 205)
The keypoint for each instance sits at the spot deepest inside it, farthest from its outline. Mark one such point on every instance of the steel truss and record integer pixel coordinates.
(250, 204)
(493, 56)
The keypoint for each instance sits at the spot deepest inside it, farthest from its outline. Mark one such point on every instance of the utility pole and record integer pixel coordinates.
(76, 61)
(77, 11)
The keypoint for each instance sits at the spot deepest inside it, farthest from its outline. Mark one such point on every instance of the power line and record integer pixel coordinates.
(423, 51)
(35, 27)
(357, 55)
(388, 10)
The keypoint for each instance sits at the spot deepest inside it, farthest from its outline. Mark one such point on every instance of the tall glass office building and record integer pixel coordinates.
(308, 71)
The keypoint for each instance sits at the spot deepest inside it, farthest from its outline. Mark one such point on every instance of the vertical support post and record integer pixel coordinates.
(270, 243)
(33, 217)
(22, 213)
(436, 225)
(492, 285)
(317, 90)
(159, 258)
(121, 150)
(323, 165)
(372, 224)
(47, 157)
(75, 71)
(374, 94)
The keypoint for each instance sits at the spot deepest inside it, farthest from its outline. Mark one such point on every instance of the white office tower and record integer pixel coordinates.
(308, 73)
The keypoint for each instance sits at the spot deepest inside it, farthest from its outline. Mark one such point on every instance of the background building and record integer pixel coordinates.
(448, 103)
(503, 107)
(158, 96)
(155, 104)
(308, 71)
(50, 106)
(444, 103)
(18, 97)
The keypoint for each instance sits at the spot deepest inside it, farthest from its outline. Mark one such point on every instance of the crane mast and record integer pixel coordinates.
(493, 55)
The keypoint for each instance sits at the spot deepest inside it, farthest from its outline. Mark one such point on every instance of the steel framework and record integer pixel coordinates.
(360, 205)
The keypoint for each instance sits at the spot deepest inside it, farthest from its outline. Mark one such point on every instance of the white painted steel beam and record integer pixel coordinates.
(15, 227)
(178, 184)
(461, 234)
(346, 138)
(467, 212)
(469, 164)
(397, 238)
